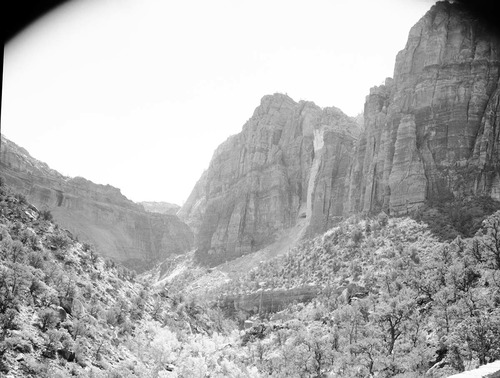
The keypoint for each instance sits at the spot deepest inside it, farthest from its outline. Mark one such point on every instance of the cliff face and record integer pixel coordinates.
(432, 132)
(99, 214)
(289, 163)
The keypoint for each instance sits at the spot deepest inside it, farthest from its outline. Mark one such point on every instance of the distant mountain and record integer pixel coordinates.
(160, 207)
(98, 214)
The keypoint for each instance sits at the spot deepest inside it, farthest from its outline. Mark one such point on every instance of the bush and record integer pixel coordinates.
(58, 241)
(46, 215)
(357, 236)
(48, 319)
(34, 368)
(52, 343)
(21, 198)
(8, 321)
(19, 344)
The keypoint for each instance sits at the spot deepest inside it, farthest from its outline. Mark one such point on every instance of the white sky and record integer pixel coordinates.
(139, 93)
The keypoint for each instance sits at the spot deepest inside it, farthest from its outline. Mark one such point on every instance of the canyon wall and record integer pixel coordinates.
(290, 162)
(432, 132)
(99, 214)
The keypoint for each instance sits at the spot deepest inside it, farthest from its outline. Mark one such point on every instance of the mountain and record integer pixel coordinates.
(432, 133)
(65, 311)
(99, 214)
(287, 167)
(160, 207)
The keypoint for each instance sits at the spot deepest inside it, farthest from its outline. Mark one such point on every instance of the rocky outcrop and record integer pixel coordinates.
(290, 161)
(160, 207)
(99, 214)
(268, 301)
(432, 132)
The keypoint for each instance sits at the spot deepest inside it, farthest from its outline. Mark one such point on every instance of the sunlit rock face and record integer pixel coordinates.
(98, 214)
(433, 131)
(289, 163)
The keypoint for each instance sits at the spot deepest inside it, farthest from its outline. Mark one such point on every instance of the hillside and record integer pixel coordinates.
(65, 311)
(99, 214)
(391, 300)
(373, 295)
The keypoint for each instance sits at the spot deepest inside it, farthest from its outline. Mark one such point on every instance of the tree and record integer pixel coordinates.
(48, 319)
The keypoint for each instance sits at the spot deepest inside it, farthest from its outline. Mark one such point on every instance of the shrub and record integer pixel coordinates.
(46, 215)
(383, 219)
(35, 259)
(29, 238)
(14, 251)
(58, 241)
(357, 236)
(48, 319)
(21, 198)
(34, 368)
(18, 343)
(52, 343)
(8, 321)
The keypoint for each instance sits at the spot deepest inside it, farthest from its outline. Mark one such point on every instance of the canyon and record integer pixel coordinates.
(98, 214)
(429, 134)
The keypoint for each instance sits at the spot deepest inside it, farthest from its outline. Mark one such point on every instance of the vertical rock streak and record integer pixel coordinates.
(318, 144)
(269, 177)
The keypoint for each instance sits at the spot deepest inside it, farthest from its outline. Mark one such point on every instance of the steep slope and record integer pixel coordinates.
(65, 311)
(432, 133)
(99, 214)
(290, 162)
(391, 301)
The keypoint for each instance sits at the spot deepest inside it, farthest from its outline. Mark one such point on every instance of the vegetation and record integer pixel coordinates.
(454, 217)
(65, 311)
(394, 300)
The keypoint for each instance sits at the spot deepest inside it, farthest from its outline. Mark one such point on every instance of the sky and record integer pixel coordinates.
(138, 94)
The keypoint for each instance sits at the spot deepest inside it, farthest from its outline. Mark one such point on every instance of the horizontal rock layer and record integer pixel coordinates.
(268, 301)
(99, 214)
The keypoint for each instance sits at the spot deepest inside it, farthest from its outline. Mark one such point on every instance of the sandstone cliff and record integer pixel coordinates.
(99, 214)
(432, 132)
(290, 162)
